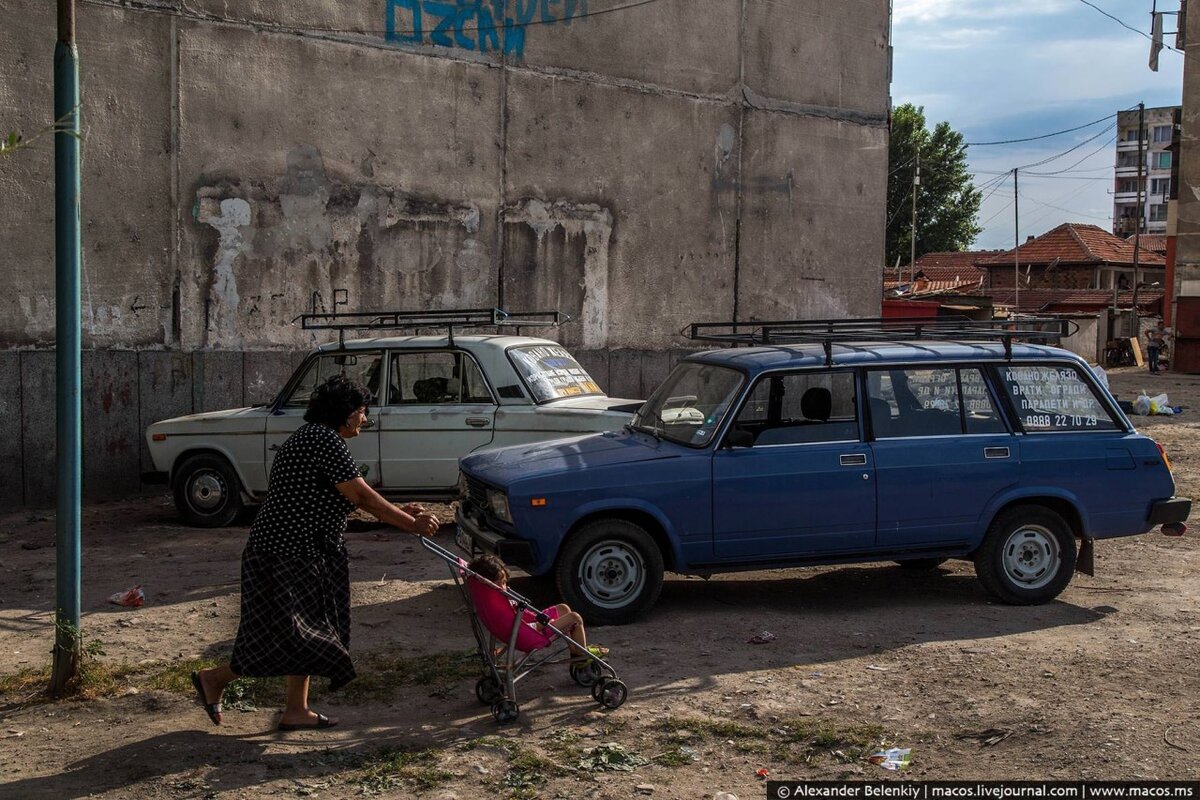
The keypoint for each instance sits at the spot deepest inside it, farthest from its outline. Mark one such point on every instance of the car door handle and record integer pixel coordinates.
(995, 452)
(853, 460)
(477, 422)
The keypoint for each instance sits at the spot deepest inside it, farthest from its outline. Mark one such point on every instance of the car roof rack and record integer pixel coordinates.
(449, 319)
(828, 332)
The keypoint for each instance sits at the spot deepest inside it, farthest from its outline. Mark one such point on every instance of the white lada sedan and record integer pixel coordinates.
(437, 398)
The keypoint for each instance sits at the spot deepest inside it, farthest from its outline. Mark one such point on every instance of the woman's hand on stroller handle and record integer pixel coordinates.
(425, 524)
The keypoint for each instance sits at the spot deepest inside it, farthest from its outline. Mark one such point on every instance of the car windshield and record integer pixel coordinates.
(689, 405)
(552, 373)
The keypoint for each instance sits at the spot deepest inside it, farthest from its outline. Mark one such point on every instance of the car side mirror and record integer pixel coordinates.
(739, 438)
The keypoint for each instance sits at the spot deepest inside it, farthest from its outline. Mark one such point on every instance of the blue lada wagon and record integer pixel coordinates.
(833, 443)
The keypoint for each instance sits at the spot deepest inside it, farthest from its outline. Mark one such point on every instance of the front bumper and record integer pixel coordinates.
(1175, 509)
(472, 536)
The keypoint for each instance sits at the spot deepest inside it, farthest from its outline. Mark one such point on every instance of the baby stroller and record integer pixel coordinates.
(510, 649)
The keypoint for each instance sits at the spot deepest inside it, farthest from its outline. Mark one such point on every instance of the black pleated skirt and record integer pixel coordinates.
(295, 617)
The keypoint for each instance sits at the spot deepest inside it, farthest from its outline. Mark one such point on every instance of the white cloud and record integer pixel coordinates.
(925, 11)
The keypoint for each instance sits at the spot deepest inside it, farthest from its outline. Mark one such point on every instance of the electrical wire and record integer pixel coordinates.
(1043, 136)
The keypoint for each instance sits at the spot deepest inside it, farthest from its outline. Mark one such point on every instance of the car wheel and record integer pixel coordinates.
(922, 564)
(1027, 556)
(207, 492)
(610, 571)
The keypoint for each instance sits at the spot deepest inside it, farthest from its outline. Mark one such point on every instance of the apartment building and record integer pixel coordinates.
(1157, 151)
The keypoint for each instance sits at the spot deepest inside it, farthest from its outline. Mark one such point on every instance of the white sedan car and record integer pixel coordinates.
(437, 398)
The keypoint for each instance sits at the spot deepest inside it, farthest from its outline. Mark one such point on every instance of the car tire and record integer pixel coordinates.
(1027, 556)
(610, 571)
(207, 491)
(922, 564)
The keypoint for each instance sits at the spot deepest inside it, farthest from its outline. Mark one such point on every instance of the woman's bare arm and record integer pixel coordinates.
(357, 491)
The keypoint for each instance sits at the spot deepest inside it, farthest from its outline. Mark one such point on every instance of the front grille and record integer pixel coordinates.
(476, 493)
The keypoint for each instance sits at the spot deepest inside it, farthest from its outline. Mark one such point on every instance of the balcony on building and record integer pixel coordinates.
(1123, 146)
(1122, 198)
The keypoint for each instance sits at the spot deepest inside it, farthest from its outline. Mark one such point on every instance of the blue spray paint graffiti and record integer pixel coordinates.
(483, 25)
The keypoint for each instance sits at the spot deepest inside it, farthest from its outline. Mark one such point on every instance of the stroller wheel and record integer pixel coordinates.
(586, 674)
(612, 694)
(488, 690)
(597, 688)
(505, 711)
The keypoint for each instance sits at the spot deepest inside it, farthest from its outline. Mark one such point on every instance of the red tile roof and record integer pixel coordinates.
(1066, 300)
(1076, 243)
(1154, 242)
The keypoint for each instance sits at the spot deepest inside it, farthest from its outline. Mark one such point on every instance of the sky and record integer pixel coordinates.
(1012, 69)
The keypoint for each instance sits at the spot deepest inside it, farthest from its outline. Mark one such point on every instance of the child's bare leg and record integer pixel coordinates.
(572, 625)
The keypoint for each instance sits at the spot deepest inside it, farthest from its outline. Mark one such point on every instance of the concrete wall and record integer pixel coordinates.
(244, 163)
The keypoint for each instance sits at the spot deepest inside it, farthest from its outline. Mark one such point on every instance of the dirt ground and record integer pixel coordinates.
(1102, 683)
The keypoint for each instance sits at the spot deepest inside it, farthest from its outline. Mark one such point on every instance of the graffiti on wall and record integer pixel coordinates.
(496, 26)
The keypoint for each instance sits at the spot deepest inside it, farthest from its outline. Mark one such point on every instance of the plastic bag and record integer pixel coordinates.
(133, 597)
(1141, 405)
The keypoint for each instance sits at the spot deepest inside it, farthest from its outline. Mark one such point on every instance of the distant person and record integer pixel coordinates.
(295, 615)
(1155, 340)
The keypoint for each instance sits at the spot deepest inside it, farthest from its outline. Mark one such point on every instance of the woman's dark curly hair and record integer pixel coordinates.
(335, 400)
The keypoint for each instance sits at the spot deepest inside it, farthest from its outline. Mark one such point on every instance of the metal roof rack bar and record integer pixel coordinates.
(827, 332)
(343, 321)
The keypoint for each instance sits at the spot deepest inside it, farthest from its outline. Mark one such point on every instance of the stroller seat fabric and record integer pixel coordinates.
(497, 614)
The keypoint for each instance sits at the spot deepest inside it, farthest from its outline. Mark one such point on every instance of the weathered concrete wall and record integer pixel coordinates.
(639, 169)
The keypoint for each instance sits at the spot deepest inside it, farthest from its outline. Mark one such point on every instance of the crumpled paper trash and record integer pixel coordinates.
(894, 759)
(133, 597)
(761, 638)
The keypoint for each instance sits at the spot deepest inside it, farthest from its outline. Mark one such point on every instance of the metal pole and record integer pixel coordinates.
(1137, 232)
(67, 257)
(1016, 247)
(912, 258)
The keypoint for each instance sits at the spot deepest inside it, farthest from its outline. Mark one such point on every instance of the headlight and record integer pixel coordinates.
(499, 503)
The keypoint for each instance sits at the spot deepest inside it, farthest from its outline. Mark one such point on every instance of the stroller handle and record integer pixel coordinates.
(456, 562)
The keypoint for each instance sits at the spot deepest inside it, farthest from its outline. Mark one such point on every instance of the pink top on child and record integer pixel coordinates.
(497, 613)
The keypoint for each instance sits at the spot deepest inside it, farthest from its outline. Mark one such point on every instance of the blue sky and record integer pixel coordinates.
(1010, 69)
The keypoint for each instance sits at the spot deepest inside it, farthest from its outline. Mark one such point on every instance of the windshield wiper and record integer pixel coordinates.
(641, 429)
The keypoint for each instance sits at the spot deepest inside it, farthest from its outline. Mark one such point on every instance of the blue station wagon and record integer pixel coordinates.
(832, 446)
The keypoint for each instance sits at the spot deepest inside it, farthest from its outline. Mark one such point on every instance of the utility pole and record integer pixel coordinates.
(1016, 246)
(912, 259)
(67, 257)
(1137, 232)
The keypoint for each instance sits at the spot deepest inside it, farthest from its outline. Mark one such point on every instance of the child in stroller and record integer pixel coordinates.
(497, 613)
(514, 639)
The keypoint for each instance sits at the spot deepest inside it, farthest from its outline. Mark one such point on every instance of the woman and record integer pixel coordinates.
(295, 617)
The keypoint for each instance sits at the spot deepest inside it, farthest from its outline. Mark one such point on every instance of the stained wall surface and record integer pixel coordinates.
(637, 166)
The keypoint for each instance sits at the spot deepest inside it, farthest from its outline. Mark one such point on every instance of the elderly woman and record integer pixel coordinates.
(295, 617)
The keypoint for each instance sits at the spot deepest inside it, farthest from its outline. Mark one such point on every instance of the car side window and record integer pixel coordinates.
(800, 408)
(363, 368)
(1054, 398)
(914, 402)
(436, 378)
(979, 412)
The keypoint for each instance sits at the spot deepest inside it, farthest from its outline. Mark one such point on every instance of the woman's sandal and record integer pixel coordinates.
(212, 709)
(322, 722)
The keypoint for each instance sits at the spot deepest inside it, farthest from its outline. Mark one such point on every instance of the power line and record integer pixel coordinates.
(1043, 136)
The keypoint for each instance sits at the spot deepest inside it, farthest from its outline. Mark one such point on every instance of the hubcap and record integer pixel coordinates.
(611, 574)
(206, 491)
(1031, 556)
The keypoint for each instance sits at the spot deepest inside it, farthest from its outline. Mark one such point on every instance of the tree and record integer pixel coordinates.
(947, 200)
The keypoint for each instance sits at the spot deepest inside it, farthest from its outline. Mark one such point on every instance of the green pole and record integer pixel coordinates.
(67, 257)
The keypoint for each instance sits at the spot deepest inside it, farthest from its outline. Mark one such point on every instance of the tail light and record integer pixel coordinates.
(1163, 453)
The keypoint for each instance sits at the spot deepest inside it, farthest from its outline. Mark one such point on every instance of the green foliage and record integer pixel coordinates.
(947, 200)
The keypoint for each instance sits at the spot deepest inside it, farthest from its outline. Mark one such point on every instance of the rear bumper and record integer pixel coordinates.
(511, 551)
(1175, 509)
